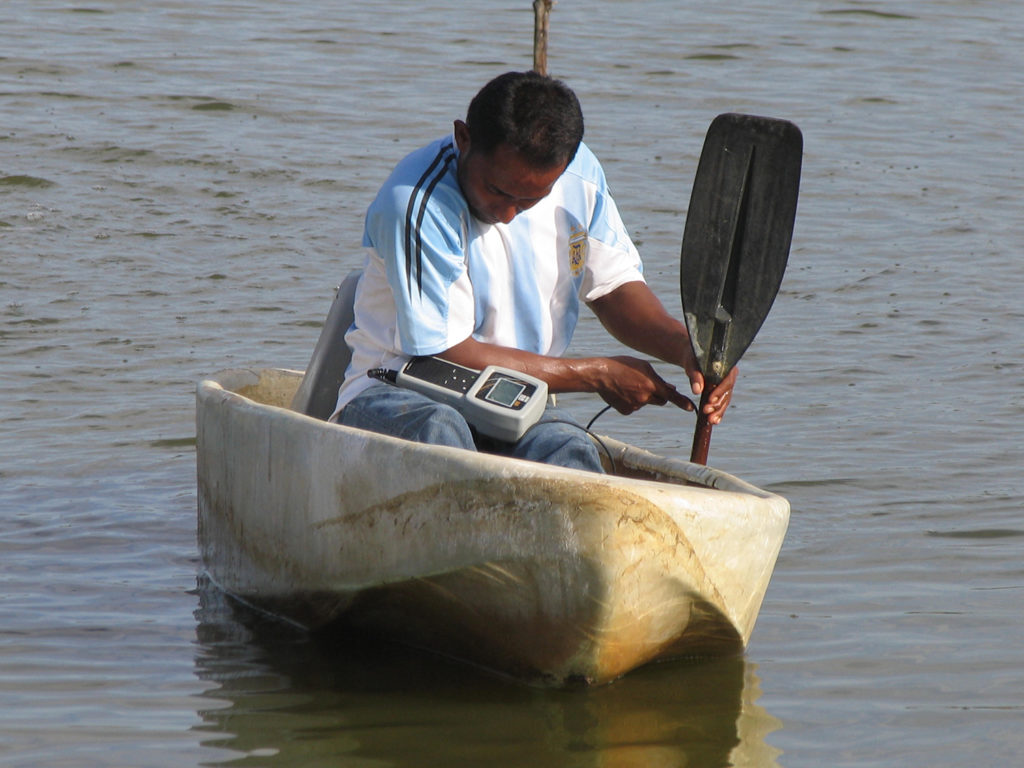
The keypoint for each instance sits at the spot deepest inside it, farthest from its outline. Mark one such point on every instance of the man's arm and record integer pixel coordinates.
(634, 316)
(625, 383)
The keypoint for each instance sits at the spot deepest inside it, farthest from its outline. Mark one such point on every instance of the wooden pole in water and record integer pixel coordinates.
(541, 11)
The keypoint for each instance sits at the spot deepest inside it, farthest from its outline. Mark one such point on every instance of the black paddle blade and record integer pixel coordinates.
(737, 236)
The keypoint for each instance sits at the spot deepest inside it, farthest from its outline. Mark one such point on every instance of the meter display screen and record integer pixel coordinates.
(505, 392)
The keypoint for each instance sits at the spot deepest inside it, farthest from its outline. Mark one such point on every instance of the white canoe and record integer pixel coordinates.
(542, 573)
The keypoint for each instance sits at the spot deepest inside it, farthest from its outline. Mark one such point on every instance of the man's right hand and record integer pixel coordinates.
(631, 383)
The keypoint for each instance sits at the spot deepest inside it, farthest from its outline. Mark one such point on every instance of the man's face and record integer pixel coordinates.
(501, 184)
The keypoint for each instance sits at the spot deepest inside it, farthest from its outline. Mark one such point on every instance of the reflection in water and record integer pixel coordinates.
(284, 697)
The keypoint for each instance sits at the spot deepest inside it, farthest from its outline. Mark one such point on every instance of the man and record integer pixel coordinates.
(481, 246)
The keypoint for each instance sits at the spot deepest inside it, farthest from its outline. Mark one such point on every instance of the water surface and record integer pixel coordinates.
(181, 188)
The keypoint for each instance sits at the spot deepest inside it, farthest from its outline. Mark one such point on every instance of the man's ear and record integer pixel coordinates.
(462, 137)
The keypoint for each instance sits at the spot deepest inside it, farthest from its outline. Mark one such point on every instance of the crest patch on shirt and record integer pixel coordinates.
(577, 251)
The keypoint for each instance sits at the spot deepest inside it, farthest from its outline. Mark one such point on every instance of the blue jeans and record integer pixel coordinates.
(555, 439)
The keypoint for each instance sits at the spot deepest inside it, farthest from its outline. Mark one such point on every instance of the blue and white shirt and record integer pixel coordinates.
(435, 275)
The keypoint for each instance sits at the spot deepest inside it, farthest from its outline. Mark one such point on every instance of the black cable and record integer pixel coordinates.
(586, 429)
(383, 374)
(596, 417)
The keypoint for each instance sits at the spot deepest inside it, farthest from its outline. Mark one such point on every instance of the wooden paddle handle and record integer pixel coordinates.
(702, 432)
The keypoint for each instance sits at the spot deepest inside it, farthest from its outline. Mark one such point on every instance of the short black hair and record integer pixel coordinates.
(536, 115)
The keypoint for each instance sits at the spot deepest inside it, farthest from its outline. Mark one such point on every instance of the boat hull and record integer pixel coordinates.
(542, 573)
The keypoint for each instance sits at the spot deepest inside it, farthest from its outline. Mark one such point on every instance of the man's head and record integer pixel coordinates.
(521, 131)
(535, 115)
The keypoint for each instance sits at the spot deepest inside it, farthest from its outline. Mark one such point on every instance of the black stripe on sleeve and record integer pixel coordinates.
(415, 255)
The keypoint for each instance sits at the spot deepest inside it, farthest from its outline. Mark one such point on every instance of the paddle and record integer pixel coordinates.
(736, 242)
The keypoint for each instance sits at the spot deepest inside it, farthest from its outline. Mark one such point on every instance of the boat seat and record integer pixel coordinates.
(318, 391)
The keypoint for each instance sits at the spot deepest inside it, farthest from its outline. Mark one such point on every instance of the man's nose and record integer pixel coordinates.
(508, 212)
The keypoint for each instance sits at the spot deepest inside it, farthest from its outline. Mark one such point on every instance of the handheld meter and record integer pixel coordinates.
(497, 402)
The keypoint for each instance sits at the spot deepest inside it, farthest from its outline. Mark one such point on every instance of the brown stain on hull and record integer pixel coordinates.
(550, 614)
